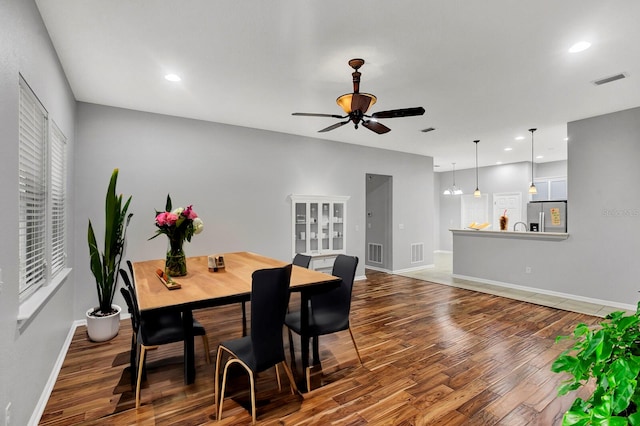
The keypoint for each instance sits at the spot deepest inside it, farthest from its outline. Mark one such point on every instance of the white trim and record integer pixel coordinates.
(546, 292)
(415, 269)
(46, 392)
(376, 268)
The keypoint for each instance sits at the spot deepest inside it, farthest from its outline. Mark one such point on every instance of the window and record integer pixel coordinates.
(42, 188)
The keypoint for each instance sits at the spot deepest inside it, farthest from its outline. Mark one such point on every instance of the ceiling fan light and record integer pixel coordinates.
(346, 101)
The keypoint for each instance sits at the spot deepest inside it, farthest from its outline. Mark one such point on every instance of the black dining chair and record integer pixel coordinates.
(263, 348)
(302, 260)
(328, 311)
(152, 329)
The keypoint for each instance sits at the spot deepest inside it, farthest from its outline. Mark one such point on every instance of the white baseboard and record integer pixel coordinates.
(547, 292)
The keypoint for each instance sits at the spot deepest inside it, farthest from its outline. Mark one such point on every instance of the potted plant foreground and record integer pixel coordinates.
(606, 359)
(103, 321)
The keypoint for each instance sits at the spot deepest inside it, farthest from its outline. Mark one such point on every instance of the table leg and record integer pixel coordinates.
(189, 351)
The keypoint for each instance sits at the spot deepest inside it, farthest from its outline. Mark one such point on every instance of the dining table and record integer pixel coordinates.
(201, 288)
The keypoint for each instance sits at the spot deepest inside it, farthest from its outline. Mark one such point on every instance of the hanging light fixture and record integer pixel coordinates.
(477, 192)
(532, 189)
(453, 190)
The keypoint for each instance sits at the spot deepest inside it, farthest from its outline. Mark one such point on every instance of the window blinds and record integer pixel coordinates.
(32, 188)
(58, 198)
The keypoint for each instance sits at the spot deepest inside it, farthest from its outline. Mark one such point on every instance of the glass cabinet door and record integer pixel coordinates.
(337, 222)
(324, 233)
(313, 227)
(301, 227)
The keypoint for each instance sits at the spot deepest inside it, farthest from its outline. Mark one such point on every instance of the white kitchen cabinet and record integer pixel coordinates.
(319, 225)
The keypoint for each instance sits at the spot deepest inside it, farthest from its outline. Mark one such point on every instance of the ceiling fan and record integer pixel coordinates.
(356, 104)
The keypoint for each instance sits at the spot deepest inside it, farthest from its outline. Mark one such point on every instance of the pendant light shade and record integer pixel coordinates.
(532, 189)
(477, 192)
(453, 190)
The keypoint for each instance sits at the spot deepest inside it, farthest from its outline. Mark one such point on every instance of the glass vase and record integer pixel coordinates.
(175, 264)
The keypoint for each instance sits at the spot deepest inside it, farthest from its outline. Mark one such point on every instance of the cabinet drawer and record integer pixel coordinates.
(323, 262)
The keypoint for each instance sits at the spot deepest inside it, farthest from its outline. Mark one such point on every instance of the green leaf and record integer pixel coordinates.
(564, 363)
(634, 419)
(575, 418)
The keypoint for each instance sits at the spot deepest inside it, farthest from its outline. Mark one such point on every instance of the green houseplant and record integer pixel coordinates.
(607, 358)
(105, 265)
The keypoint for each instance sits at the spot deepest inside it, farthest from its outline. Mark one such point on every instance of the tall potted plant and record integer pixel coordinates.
(103, 321)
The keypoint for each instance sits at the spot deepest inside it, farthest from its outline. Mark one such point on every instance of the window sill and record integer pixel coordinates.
(30, 307)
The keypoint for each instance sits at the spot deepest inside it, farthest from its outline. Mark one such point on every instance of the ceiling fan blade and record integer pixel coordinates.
(334, 126)
(311, 114)
(375, 126)
(394, 113)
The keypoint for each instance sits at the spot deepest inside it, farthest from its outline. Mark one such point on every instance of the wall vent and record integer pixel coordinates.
(375, 253)
(610, 79)
(417, 252)
(428, 129)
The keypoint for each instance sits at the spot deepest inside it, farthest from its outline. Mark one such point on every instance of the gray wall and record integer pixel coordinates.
(598, 260)
(29, 353)
(238, 180)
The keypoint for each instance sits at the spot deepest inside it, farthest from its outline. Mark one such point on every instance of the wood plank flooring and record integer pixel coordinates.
(433, 355)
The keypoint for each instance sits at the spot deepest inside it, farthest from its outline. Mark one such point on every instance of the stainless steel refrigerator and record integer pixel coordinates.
(547, 216)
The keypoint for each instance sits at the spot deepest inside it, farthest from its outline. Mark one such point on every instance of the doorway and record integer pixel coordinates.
(379, 222)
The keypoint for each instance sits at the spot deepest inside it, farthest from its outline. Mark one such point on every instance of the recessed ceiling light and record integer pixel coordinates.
(508, 149)
(498, 162)
(579, 47)
(566, 139)
(519, 138)
(172, 77)
(540, 156)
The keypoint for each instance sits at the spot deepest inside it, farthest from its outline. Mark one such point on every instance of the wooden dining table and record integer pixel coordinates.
(201, 288)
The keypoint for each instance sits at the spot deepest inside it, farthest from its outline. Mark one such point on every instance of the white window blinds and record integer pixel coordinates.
(33, 191)
(58, 198)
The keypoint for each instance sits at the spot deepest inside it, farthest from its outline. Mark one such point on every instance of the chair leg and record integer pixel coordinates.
(292, 382)
(143, 354)
(356, 346)
(205, 343)
(278, 377)
(217, 380)
(252, 384)
(291, 348)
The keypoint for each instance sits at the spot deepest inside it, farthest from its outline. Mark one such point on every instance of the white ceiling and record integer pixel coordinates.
(485, 70)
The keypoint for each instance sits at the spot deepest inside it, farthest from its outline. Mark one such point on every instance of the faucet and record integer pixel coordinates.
(518, 223)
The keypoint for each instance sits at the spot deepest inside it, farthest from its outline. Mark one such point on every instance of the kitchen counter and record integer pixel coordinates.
(511, 234)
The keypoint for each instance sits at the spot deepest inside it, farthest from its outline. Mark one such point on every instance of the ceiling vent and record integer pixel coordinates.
(610, 79)
(428, 129)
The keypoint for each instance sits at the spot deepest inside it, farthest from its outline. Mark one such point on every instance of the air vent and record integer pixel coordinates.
(610, 79)
(428, 129)
(375, 253)
(417, 252)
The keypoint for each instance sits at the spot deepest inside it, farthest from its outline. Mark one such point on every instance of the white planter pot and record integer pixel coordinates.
(101, 329)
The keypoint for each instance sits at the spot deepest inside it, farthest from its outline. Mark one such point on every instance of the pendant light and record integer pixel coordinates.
(453, 190)
(532, 189)
(477, 192)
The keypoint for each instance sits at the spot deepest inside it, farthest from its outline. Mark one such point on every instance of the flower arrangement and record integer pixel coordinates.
(178, 225)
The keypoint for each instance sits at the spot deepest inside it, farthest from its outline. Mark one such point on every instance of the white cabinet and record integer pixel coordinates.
(319, 225)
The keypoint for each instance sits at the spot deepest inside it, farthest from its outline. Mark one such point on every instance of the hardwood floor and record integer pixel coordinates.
(433, 355)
